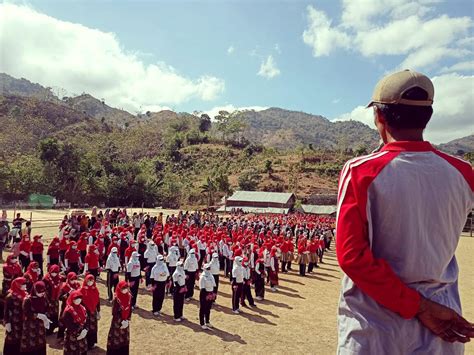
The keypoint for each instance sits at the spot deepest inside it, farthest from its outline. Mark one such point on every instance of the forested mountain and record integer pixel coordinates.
(285, 129)
(81, 150)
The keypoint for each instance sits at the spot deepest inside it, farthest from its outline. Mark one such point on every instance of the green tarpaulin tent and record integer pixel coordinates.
(37, 200)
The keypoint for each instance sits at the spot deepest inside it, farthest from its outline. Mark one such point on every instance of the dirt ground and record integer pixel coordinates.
(299, 318)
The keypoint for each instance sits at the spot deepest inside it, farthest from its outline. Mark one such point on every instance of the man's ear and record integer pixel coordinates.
(380, 123)
(379, 120)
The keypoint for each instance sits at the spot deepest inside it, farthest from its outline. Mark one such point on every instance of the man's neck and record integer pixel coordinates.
(405, 135)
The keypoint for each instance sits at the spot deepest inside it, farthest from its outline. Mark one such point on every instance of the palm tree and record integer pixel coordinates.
(208, 188)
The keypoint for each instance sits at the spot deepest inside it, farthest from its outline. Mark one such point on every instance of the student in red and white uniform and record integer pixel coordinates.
(52, 255)
(25, 252)
(37, 251)
(91, 265)
(72, 260)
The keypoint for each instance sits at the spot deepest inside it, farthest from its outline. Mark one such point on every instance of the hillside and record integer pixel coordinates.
(81, 150)
(22, 87)
(279, 128)
(98, 109)
(27, 120)
(459, 146)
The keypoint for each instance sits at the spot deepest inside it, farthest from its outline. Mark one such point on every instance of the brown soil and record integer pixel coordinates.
(299, 318)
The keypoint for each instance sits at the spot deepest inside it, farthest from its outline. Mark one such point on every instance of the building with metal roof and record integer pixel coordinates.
(259, 202)
(319, 209)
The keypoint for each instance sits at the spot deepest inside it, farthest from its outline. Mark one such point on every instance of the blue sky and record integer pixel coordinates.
(322, 57)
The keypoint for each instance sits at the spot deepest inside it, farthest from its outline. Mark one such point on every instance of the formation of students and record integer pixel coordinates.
(173, 257)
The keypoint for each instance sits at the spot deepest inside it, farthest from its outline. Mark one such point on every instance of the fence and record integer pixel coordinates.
(58, 215)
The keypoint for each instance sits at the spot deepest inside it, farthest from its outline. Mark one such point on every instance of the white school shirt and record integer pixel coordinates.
(191, 263)
(151, 254)
(266, 258)
(225, 250)
(207, 282)
(247, 273)
(238, 273)
(201, 245)
(113, 262)
(173, 256)
(179, 277)
(133, 267)
(160, 272)
(215, 266)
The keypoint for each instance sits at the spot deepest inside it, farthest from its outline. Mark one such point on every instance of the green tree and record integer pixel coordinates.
(205, 123)
(49, 149)
(25, 175)
(229, 125)
(209, 188)
(268, 167)
(221, 181)
(361, 150)
(248, 180)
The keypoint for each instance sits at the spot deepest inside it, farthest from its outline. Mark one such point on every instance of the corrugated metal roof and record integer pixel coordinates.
(319, 209)
(249, 209)
(260, 196)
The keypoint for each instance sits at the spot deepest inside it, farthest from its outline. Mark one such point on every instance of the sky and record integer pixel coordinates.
(320, 57)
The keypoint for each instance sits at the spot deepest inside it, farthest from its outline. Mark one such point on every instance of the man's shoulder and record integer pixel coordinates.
(463, 166)
(369, 164)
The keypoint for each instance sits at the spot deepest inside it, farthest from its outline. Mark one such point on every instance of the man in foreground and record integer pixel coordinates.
(401, 211)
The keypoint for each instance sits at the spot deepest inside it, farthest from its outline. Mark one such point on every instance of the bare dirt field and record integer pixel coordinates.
(299, 318)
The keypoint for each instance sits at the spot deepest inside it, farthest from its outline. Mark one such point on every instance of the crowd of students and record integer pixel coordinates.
(172, 256)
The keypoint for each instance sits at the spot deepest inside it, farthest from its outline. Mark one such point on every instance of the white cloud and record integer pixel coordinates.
(363, 14)
(321, 36)
(427, 57)
(213, 112)
(360, 113)
(453, 107)
(268, 68)
(411, 33)
(230, 50)
(467, 66)
(336, 100)
(391, 27)
(81, 59)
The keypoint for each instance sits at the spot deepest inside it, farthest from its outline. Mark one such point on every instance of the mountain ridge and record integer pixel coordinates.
(273, 127)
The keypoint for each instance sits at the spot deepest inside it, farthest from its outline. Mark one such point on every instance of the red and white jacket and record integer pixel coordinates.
(400, 215)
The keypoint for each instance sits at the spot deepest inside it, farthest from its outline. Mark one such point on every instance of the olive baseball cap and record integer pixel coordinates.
(390, 89)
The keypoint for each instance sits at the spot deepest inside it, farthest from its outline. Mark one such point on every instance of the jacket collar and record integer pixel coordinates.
(408, 146)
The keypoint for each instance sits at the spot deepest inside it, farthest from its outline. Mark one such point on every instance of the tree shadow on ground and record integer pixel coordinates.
(325, 275)
(245, 313)
(286, 288)
(222, 334)
(291, 281)
(288, 294)
(275, 303)
(316, 277)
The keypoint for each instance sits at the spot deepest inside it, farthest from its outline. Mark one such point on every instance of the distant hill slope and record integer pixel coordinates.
(34, 111)
(22, 87)
(286, 129)
(459, 146)
(85, 103)
(98, 109)
(27, 120)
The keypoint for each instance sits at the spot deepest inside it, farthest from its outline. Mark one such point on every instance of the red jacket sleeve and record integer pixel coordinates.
(373, 276)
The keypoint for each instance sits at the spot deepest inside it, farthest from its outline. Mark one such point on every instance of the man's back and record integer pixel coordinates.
(418, 206)
(414, 201)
